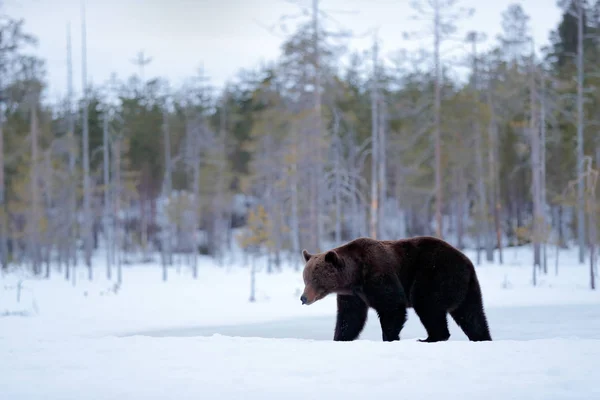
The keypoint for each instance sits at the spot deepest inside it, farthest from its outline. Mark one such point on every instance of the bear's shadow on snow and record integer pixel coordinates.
(310, 328)
(506, 323)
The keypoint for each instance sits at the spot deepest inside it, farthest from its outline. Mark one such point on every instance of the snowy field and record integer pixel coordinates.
(202, 339)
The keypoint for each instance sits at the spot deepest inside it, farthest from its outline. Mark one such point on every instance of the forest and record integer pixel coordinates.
(308, 152)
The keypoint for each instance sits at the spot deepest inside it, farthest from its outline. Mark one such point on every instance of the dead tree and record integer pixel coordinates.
(590, 181)
(87, 214)
(535, 168)
(483, 231)
(34, 220)
(374, 146)
(107, 195)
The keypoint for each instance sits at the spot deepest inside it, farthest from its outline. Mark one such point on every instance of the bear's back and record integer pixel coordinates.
(383, 254)
(405, 254)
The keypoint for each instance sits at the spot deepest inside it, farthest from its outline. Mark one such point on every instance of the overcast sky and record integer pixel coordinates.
(222, 35)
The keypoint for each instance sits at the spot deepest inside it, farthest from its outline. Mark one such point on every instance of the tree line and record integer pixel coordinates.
(308, 152)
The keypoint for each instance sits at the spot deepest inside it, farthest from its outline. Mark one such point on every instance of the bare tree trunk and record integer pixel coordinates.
(593, 260)
(278, 224)
(357, 223)
(337, 149)
(494, 174)
(382, 168)
(87, 216)
(295, 228)
(71, 218)
(3, 211)
(50, 236)
(318, 129)
(220, 211)
(252, 298)
(168, 259)
(107, 230)
(144, 224)
(598, 151)
(559, 223)
(437, 123)
(591, 181)
(374, 144)
(34, 182)
(535, 170)
(3, 208)
(195, 203)
(458, 207)
(580, 118)
(544, 203)
(556, 258)
(117, 207)
(484, 229)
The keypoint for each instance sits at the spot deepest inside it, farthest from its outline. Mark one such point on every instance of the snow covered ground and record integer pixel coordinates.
(202, 339)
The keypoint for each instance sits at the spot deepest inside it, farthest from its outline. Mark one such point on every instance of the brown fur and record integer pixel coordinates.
(424, 273)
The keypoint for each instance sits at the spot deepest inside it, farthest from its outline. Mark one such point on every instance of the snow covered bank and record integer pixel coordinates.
(244, 368)
(506, 323)
(220, 297)
(164, 340)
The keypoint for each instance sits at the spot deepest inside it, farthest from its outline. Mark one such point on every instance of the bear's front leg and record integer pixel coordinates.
(390, 305)
(351, 317)
(392, 319)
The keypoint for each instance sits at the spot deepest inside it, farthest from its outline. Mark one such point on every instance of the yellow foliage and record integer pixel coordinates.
(525, 233)
(259, 228)
(178, 208)
(291, 157)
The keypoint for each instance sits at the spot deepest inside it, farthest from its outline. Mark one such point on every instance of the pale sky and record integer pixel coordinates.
(222, 35)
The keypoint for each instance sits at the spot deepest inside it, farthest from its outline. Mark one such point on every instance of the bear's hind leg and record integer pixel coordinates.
(435, 322)
(392, 321)
(432, 315)
(470, 316)
(430, 305)
(351, 317)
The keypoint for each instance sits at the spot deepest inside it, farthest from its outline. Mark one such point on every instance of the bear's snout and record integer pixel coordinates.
(309, 295)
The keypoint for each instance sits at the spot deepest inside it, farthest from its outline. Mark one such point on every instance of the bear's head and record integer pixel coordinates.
(323, 274)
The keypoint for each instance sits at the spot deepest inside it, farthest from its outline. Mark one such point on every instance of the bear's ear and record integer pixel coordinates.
(332, 257)
(307, 256)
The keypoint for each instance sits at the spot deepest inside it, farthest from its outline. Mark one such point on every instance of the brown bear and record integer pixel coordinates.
(424, 273)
